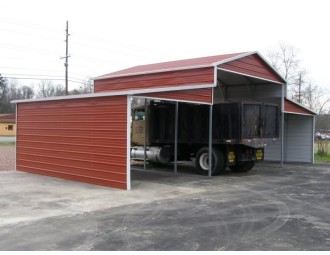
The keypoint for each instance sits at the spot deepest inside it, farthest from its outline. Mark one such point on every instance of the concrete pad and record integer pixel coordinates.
(270, 208)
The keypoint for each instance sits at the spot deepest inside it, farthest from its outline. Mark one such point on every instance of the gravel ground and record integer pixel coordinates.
(7, 158)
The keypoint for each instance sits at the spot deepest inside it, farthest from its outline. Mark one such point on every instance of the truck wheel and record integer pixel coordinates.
(202, 161)
(242, 167)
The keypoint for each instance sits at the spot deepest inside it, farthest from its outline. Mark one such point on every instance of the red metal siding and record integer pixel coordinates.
(252, 65)
(77, 139)
(294, 108)
(193, 95)
(198, 76)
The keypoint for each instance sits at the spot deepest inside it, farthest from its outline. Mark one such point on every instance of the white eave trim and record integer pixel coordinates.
(298, 113)
(252, 76)
(266, 61)
(173, 100)
(234, 58)
(117, 93)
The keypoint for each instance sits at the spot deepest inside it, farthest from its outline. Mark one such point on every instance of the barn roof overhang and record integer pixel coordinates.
(189, 64)
(293, 107)
(231, 78)
(117, 93)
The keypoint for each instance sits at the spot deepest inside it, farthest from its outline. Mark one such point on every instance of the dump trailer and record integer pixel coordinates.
(240, 131)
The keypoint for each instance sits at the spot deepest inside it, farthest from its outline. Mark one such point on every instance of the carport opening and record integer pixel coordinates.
(155, 128)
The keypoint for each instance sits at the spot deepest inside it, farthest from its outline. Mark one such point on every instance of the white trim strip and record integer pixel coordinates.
(174, 100)
(128, 145)
(313, 152)
(298, 113)
(16, 138)
(117, 93)
(266, 61)
(252, 76)
(104, 77)
(234, 58)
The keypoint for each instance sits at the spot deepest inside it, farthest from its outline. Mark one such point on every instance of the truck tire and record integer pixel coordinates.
(202, 161)
(242, 167)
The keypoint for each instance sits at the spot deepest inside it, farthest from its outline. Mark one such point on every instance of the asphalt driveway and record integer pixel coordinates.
(270, 208)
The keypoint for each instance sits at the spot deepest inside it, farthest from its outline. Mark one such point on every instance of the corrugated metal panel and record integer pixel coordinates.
(198, 76)
(252, 65)
(295, 108)
(178, 64)
(192, 95)
(78, 139)
(299, 138)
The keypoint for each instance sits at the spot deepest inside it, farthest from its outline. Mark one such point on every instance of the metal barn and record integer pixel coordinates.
(87, 137)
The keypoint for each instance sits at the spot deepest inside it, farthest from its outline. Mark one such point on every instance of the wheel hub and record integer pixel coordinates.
(204, 161)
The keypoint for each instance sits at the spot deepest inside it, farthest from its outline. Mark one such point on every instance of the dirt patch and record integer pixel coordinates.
(7, 158)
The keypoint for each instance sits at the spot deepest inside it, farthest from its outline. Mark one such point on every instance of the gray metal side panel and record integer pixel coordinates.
(299, 140)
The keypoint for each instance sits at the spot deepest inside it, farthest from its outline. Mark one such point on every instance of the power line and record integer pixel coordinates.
(40, 70)
(39, 75)
(29, 24)
(30, 78)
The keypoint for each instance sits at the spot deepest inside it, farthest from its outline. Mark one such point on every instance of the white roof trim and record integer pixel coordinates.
(234, 58)
(298, 113)
(248, 54)
(119, 93)
(266, 61)
(252, 76)
(193, 67)
(103, 77)
(174, 100)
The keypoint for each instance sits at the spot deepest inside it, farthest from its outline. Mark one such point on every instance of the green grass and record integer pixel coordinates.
(322, 158)
(7, 143)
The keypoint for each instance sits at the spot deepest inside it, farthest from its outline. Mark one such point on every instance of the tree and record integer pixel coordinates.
(286, 60)
(12, 90)
(48, 89)
(87, 87)
(3, 95)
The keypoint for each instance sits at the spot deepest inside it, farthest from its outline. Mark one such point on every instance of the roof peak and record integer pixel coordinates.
(173, 65)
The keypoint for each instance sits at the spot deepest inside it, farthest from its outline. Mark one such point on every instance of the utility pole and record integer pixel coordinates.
(66, 64)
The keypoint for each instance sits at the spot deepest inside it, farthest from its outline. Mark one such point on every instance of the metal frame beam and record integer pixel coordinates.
(145, 136)
(176, 138)
(210, 141)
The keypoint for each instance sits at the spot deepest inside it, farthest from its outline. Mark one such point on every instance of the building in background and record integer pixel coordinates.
(8, 124)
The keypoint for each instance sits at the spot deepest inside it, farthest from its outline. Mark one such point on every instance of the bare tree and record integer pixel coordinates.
(286, 60)
(48, 89)
(87, 87)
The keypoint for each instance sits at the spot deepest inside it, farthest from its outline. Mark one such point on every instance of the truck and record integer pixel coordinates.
(240, 131)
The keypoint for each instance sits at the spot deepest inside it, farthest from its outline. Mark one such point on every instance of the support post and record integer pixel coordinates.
(176, 138)
(145, 135)
(210, 141)
(282, 125)
(128, 144)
